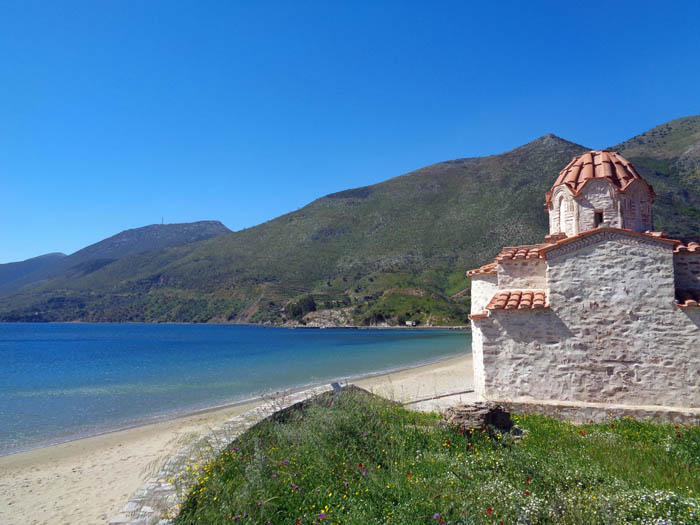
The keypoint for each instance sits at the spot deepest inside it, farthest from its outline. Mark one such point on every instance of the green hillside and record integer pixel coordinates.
(14, 274)
(363, 252)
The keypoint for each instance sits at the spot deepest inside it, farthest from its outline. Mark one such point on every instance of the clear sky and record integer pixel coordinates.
(115, 114)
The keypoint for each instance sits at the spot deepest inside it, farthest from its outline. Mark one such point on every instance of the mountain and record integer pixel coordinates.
(13, 273)
(391, 252)
(13, 276)
(148, 238)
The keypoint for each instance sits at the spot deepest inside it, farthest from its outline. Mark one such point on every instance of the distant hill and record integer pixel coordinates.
(12, 274)
(130, 242)
(391, 252)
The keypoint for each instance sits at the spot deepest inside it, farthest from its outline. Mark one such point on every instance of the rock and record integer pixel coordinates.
(479, 415)
(132, 506)
(120, 519)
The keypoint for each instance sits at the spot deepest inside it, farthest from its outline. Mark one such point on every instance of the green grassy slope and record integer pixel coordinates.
(420, 231)
(358, 459)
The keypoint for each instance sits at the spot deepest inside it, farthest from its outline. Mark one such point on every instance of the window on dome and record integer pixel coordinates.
(598, 218)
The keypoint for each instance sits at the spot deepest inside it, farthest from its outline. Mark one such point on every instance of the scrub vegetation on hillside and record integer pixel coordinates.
(421, 230)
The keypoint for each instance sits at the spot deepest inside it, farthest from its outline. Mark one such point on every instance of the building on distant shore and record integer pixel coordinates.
(606, 310)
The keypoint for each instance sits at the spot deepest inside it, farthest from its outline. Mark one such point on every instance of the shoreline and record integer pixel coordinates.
(259, 399)
(466, 328)
(89, 480)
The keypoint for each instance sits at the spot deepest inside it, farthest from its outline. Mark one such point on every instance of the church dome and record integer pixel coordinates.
(598, 165)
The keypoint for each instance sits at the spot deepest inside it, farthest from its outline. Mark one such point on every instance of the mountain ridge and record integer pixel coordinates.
(420, 230)
(14, 276)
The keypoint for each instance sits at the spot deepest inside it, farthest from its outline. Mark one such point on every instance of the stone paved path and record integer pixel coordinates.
(159, 498)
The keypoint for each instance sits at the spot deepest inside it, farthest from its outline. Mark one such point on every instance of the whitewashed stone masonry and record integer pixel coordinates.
(621, 322)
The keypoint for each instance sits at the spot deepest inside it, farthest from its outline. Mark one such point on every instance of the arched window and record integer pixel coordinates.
(562, 218)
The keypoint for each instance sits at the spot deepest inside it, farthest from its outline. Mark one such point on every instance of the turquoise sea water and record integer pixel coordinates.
(63, 381)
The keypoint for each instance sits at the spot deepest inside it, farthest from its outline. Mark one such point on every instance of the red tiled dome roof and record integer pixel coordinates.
(598, 165)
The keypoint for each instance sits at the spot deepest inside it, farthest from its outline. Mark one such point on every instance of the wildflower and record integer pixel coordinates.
(274, 475)
(678, 435)
(259, 503)
(612, 425)
(408, 474)
(436, 515)
(460, 431)
(527, 479)
(527, 492)
(364, 434)
(447, 443)
(489, 510)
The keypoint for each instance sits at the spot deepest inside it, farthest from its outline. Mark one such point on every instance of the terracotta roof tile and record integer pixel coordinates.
(480, 315)
(518, 300)
(692, 247)
(688, 298)
(532, 252)
(483, 270)
(519, 253)
(598, 165)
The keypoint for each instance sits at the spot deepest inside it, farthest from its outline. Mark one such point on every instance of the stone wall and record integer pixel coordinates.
(598, 195)
(519, 275)
(613, 333)
(484, 287)
(563, 214)
(636, 208)
(575, 214)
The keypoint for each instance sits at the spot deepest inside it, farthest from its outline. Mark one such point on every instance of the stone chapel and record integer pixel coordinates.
(604, 311)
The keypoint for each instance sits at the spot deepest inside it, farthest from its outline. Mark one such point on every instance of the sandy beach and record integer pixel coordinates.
(89, 480)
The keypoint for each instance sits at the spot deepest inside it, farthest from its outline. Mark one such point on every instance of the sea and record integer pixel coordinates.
(60, 382)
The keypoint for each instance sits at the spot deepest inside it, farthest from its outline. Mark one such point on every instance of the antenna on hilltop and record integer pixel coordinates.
(161, 220)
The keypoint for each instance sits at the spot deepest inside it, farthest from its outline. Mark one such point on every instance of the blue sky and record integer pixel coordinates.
(115, 114)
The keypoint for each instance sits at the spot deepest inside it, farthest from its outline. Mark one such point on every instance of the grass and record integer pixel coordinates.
(360, 459)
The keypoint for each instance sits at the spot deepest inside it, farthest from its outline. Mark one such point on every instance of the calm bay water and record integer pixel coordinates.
(62, 381)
